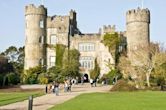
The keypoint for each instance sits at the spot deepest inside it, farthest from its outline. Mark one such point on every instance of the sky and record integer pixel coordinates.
(91, 15)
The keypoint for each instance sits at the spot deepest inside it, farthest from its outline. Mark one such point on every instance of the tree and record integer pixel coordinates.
(94, 74)
(11, 53)
(71, 63)
(55, 74)
(148, 64)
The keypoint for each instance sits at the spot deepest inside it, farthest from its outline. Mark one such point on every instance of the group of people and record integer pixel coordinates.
(54, 87)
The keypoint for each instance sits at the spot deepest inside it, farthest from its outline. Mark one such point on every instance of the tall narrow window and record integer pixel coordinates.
(41, 61)
(53, 39)
(52, 61)
(41, 23)
(41, 39)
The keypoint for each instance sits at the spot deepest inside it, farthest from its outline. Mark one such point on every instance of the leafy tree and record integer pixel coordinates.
(55, 74)
(71, 63)
(94, 74)
(11, 53)
(13, 78)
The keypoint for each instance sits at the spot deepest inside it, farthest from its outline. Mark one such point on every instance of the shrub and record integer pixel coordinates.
(1, 80)
(12, 78)
(42, 79)
(31, 75)
(123, 85)
(160, 81)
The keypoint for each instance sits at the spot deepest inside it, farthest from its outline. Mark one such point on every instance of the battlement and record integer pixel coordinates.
(56, 21)
(109, 29)
(138, 15)
(32, 10)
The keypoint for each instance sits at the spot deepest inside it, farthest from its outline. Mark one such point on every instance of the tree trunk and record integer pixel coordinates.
(148, 79)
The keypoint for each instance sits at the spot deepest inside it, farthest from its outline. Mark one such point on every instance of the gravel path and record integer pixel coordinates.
(49, 100)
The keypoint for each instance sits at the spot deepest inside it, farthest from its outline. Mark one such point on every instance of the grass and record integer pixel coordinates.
(116, 101)
(12, 97)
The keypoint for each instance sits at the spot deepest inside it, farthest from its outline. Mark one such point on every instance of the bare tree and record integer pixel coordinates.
(148, 63)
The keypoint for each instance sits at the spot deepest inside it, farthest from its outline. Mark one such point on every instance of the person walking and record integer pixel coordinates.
(91, 82)
(56, 88)
(65, 86)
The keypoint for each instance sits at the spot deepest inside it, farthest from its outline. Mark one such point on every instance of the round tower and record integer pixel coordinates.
(138, 36)
(35, 32)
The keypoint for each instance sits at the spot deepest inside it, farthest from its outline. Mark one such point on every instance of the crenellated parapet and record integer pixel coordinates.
(58, 22)
(138, 15)
(34, 10)
(108, 29)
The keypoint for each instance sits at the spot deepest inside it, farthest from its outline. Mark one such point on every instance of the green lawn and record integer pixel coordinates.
(116, 101)
(12, 97)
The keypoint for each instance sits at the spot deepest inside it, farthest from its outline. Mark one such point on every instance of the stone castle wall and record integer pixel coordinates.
(38, 40)
(138, 38)
(35, 52)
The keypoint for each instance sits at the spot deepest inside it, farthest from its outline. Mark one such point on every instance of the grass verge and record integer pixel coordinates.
(116, 101)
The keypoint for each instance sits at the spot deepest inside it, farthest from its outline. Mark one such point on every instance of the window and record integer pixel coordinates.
(86, 46)
(41, 39)
(41, 23)
(41, 61)
(87, 62)
(52, 61)
(53, 39)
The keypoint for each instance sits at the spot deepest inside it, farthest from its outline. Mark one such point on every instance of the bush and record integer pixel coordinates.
(31, 75)
(13, 78)
(1, 80)
(42, 79)
(111, 76)
(160, 81)
(123, 85)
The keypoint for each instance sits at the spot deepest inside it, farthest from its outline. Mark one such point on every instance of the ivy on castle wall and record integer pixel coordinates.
(112, 41)
(60, 49)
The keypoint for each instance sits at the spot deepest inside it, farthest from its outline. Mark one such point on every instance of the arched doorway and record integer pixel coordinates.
(86, 79)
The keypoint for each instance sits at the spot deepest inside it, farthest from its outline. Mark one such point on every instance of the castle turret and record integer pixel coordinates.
(35, 32)
(138, 36)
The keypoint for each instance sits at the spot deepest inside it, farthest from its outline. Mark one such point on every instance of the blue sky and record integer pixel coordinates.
(91, 14)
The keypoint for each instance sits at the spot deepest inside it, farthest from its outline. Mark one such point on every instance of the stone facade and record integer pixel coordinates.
(138, 37)
(42, 31)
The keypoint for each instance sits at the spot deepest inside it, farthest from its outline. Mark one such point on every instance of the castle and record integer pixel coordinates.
(42, 30)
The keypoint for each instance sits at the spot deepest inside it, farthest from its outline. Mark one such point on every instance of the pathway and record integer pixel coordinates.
(49, 100)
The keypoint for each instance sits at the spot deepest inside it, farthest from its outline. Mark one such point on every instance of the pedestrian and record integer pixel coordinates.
(46, 89)
(52, 88)
(56, 88)
(91, 82)
(94, 82)
(65, 86)
(82, 80)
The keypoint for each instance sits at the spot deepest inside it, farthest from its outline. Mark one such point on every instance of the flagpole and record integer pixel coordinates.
(42, 2)
(142, 4)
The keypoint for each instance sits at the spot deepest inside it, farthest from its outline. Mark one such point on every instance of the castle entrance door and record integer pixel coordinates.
(86, 79)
